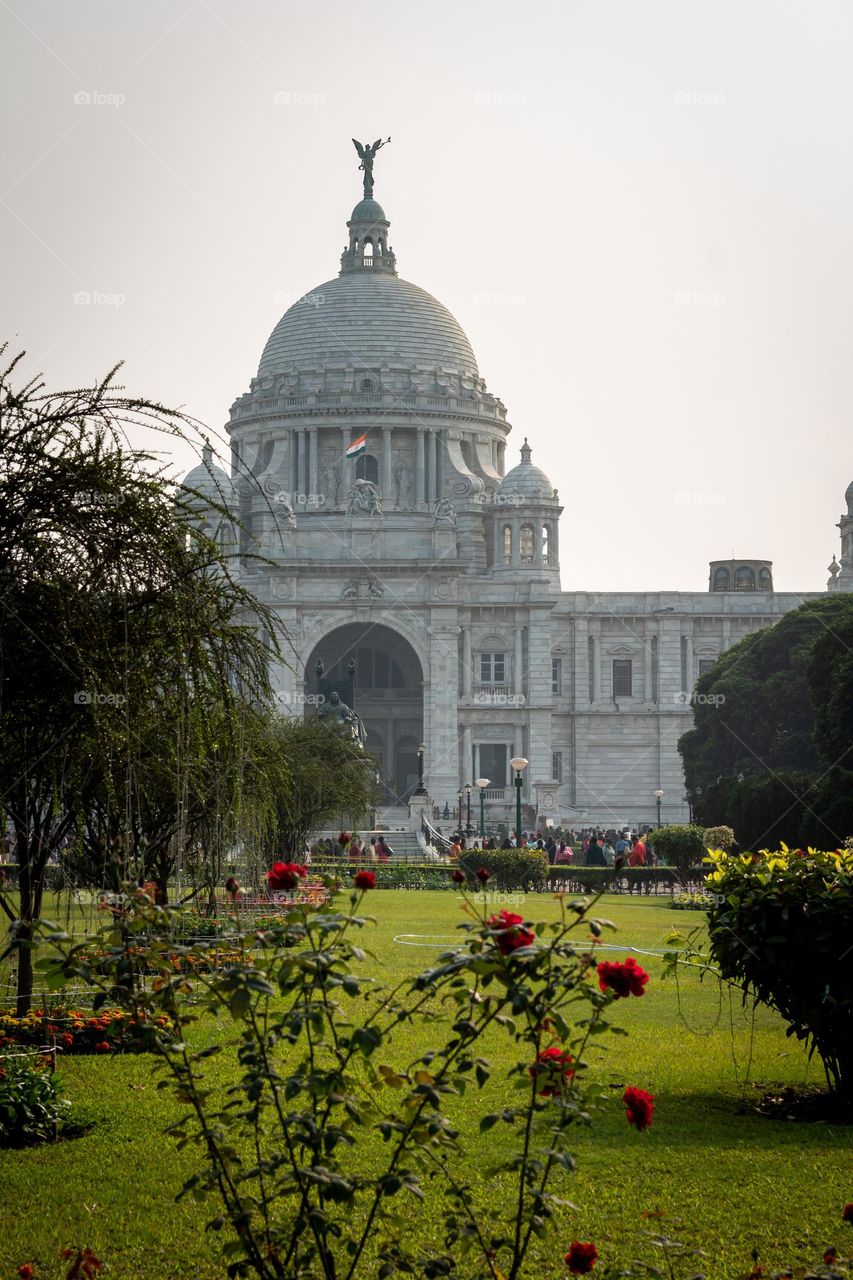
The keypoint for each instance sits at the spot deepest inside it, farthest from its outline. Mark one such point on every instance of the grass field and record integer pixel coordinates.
(731, 1179)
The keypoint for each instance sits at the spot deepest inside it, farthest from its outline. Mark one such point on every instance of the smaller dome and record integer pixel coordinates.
(209, 480)
(848, 496)
(368, 211)
(526, 481)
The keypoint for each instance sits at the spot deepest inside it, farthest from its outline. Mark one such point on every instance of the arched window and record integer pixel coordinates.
(367, 468)
(744, 579)
(765, 582)
(366, 384)
(507, 547)
(368, 253)
(721, 579)
(545, 544)
(526, 544)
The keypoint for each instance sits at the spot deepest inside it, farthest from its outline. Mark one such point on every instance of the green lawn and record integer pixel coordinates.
(734, 1180)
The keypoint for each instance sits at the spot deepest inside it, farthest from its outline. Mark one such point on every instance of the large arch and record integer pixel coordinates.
(386, 691)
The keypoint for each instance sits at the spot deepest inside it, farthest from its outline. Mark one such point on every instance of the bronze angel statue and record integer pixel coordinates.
(367, 154)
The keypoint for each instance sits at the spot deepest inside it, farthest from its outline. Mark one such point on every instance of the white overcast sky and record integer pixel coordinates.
(639, 211)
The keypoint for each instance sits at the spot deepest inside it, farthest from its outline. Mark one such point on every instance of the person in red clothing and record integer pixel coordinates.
(637, 856)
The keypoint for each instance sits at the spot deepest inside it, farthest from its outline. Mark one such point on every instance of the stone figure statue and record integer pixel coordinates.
(285, 513)
(336, 711)
(403, 479)
(364, 496)
(367, 154)
(330, 485)
(442, 511)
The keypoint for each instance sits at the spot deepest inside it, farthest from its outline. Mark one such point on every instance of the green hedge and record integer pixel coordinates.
(509, 869)
(608, 879)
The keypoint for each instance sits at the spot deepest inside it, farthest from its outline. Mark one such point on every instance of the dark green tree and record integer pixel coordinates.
(118, 620)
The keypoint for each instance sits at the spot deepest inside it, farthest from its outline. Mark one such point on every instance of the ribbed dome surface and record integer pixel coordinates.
(368, 211)
(526, 481)
(365, 318)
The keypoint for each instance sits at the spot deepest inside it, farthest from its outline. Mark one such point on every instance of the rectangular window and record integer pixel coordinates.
(705, 665)
(557, 766)
(492, 668)
(622, 677)
(557, 675)
(591, 666)
(493, 762)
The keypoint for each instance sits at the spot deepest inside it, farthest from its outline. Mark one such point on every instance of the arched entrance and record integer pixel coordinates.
(377, 672)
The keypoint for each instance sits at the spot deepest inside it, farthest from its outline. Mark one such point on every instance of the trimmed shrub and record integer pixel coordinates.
(509, 869)
(719, 838)
(780, 926)
(682, 845)
(31, 1109)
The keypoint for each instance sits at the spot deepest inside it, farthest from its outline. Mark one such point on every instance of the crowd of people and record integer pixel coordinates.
(590, 848)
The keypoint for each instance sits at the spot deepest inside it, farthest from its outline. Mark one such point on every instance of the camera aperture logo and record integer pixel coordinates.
(683, 699)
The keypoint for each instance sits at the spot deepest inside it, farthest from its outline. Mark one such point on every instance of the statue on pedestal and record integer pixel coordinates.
(367, 155)
(336, 711)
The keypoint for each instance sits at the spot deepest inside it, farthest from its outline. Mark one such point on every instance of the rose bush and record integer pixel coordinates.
(325, 1062)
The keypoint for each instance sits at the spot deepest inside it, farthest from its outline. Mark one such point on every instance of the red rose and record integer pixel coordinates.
(511, 931)
(483, 875)
(624, 978)
(458, 877)
(25, 1271)
(639, 1107)
(847, 1213)
(365, 880)
(343, 839)
(285, 875)
(581, 1258)
(67, 1039)
(102, 1046)
(552, 1067)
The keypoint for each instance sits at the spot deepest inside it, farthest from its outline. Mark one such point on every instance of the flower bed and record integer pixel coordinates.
(76, 1031)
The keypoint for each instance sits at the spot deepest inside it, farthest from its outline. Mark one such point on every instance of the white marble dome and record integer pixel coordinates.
(209, 480)
(365, 319)
(526, 483)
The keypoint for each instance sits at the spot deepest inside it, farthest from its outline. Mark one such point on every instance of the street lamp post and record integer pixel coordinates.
(481, 784)
(351, 674)
(518, 764)
(420, 789)
(469, 830)
(460, 793)
(658, 797)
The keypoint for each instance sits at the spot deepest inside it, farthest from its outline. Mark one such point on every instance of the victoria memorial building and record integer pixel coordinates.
(409, 543)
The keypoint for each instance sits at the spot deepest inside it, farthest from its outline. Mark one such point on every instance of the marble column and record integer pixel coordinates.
(688, 683)
(345, 467)
(436, 438)
(313, 478)
(518, 681)
(301, 473)
(420, 469)
(387, 479)
(390, 762)
(647, 666)
(596, 667)
(467, 661)
(467, 761)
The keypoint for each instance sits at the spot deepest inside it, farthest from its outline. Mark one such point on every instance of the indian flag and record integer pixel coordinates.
(358, 446)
